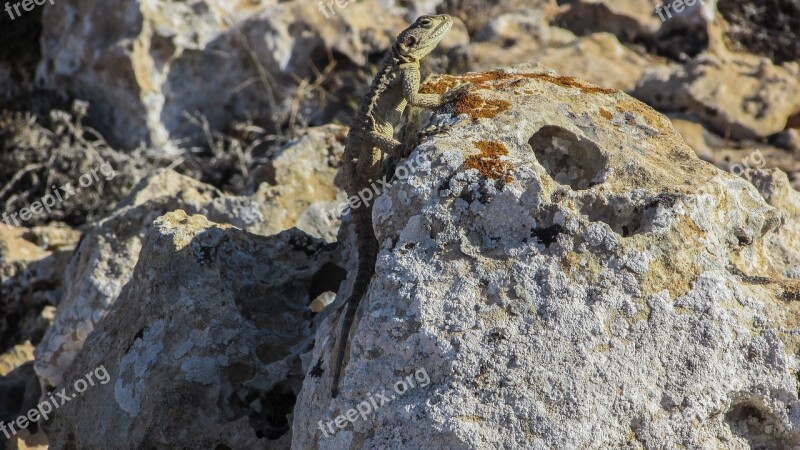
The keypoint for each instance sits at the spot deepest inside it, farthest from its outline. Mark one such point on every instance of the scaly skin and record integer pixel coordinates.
(371, 136)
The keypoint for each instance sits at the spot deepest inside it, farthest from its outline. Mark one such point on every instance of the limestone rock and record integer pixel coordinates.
(481, 16)
(208, 310)
(600, 57)
(630, 20)
(736, 157)
(739, 96)
(152, 62)
(782, 248)
(771, 29)
(296, 187)
(32, 264)
(16, 357)
(565, 272)
(14, 247)
(105, 258)
(672, 33)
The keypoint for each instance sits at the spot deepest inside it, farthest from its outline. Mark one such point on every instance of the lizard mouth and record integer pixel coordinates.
(443, 27)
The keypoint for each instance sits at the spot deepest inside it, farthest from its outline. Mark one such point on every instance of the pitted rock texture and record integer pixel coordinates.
(32, 264)
(297, 187)
(656, 25)
(568, 274)
(782, 248)
(296, 183)
(735, 95)
(202, 347)
(149, 60)
(103, 262)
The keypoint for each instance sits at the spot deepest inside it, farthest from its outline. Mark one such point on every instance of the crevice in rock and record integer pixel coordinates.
(620, 213)
(268, 411)
(769, 28)
(758, 426)
(678, 40)
(547, 235)
(327, 279)
(281, 401)
(569, 160)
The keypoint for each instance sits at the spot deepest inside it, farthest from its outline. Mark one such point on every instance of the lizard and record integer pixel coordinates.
(371, 135)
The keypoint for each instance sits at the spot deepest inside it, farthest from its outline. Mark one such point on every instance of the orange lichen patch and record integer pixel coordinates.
(499, 80)
(477, 107)
(572, 82)
(606, 114)
(442, 84)
(488, 162)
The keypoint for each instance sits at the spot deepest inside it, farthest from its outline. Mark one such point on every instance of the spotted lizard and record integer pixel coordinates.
(371, 136)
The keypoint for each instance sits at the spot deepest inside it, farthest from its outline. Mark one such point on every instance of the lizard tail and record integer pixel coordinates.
(367, 255)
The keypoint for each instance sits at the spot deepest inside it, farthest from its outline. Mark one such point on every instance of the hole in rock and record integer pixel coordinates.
(327, 279)
(280, 402)
(569, 160)
(627, 214)
(619, 213)
(268, 411)
(757, 426)
(547, 235)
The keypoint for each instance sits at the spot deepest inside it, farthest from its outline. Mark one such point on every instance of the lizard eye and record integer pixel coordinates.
(425, 22)
(411, 41)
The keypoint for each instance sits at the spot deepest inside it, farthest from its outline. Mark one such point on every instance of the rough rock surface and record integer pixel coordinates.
(32, 263)
(526, 38)
(670, 33)
(568, 274)
(563, 272)
(631, 20)
(209, 310)
(105, 258)
(149, 59)
(17, 356)
(295, 187)
(739, 96)
(772, 28)
(737, 156)
(782, 248)
(611, 64)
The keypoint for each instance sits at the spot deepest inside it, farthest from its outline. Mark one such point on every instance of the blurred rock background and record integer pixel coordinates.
(237, 111)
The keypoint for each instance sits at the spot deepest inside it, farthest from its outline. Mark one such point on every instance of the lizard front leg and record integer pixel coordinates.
(411, 79)
(369, 165)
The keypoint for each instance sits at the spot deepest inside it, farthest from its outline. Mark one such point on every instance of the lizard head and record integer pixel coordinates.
(416, 41)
